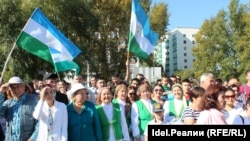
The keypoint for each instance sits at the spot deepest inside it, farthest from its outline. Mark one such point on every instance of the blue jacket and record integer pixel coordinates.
(27, 123)
(85, 126)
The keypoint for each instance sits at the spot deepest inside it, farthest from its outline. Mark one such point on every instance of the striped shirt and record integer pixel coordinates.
(190, 113)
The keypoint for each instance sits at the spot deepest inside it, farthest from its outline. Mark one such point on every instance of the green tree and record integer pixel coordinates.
(99, 28)
(185, 74)
(219, 43)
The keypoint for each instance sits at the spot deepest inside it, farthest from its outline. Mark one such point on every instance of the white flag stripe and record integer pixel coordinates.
(57, 57)
(43, 35)
(144, 43)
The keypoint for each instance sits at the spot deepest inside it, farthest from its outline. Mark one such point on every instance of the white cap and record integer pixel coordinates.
(76, 87)
(15, 80)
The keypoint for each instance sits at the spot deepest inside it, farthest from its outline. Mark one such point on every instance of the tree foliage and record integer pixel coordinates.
(100, 28)
(222, 43)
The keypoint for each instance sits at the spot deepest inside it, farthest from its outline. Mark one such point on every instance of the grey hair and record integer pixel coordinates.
(204, 76)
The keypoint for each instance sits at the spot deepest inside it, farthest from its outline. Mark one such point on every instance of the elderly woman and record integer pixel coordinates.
(52, 116)
(84, 123)
(141, 112)
(112, 117)
(174, 108)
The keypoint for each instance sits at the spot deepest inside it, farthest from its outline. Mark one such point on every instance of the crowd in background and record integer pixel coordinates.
(54, 110)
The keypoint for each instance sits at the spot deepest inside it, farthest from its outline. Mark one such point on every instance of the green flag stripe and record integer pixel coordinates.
(34, 46)
(64, 65)
(135, 48)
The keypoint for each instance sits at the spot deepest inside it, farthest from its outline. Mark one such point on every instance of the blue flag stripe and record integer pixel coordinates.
(142, 18)
(40, 18)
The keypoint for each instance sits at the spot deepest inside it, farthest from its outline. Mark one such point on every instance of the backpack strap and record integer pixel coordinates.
(243, 122)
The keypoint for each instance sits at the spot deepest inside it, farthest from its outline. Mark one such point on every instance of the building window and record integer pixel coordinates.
(193, 42)
(193, 35)
(185, 48)
(184, 42)
(193, 60)
(184, 35)
(185, 60)
(185, 54)
(185, 67)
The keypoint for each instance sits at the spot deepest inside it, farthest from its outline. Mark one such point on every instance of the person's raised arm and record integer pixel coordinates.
(127, 77)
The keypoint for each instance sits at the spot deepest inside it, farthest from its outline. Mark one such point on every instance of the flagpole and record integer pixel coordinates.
(128, 54)
(58, 76)
(6, 62)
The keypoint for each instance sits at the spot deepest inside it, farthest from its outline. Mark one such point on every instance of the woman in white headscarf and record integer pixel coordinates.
(174, 108)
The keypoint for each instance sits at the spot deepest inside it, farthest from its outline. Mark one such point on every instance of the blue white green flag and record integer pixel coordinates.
(142, 39)
(41, 38)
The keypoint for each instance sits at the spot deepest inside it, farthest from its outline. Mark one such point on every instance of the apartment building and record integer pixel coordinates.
(175, 52)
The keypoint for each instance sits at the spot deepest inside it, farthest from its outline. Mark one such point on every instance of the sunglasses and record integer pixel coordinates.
(132, 93)
(229, 96)
(158, 90)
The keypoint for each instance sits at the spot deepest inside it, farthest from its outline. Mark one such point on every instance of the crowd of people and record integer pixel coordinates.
(54, 110)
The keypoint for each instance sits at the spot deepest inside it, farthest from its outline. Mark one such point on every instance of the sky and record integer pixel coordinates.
(192, 13)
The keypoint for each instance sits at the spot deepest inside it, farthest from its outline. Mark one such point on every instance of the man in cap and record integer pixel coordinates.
(51, 80)
(18, 111)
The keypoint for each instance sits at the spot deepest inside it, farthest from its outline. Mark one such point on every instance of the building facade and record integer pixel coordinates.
(175, 53)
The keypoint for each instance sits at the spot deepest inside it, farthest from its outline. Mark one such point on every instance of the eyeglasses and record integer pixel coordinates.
(15, 86)
(160, 90)
(229, 96)
(132, 93)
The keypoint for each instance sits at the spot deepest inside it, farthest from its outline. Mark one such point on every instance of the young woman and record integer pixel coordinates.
(231, 111)
(52, 116)
(84, 123)
(157, 94)
(112, 117)
(132, 96)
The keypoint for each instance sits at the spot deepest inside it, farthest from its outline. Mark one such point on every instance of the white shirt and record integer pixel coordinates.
(92, 96)
(60, 120)
(108, 109)
(178, 103)
(232, 117)
(135, 115)
(122, 104)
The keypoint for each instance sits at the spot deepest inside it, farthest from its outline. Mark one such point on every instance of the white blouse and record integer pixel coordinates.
(108, 109)
(178, 103)
(122, 104)
(135, 116)
(60, 120)
(232, 117)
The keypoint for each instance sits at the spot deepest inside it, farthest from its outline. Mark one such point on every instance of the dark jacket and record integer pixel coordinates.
(62, 98)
